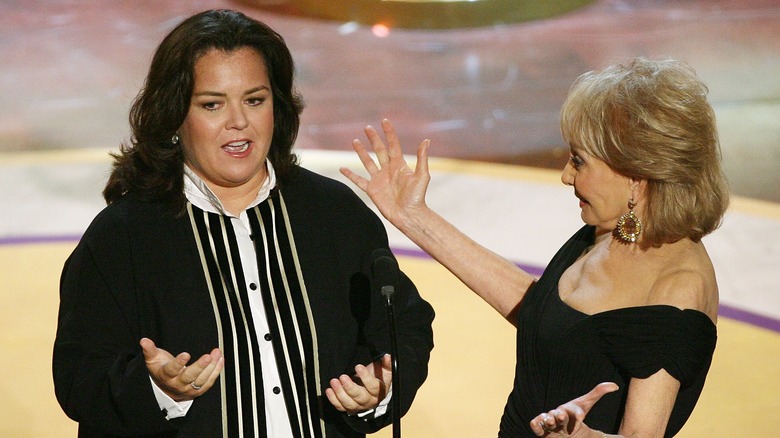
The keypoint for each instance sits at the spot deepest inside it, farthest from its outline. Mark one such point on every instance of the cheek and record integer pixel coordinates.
(198, 126)
(191, 138)
(186, 134)
(267, 121)
(189, 154)
(582, 184)
(192, 134)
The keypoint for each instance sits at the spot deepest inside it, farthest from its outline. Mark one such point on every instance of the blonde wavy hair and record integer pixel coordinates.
(651, 120)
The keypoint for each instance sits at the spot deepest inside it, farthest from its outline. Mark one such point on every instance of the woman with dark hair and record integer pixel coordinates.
(625, 312)
(152, 164)
(215, 242)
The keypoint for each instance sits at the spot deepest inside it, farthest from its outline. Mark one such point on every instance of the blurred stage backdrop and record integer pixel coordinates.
(484, 80)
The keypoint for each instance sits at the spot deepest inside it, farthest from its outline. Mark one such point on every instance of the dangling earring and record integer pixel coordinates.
(175, 139)
(629, 226)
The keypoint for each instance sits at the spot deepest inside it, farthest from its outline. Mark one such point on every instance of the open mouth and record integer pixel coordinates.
(237, 147)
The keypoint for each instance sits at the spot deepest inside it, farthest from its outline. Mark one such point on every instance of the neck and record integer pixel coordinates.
(230, 199)
(236, 199)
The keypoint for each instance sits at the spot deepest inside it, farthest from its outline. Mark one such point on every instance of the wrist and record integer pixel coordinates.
(416, 221)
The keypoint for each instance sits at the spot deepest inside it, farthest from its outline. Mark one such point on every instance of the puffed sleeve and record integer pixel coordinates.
(641, 341)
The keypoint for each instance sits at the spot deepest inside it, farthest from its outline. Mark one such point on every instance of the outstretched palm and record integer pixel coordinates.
(567, 420)
(393, 186)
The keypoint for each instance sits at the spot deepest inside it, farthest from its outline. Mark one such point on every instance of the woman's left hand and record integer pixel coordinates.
(396, 189)
(567, 420)
(363, 392)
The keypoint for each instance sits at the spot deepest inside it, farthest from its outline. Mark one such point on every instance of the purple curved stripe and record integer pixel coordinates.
(27, 240)
(725, 311)
(749, 318)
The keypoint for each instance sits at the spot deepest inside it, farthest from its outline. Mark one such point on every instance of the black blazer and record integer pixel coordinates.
(135, 273)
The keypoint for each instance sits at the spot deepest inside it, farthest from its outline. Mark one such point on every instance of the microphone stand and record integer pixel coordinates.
(387, 292)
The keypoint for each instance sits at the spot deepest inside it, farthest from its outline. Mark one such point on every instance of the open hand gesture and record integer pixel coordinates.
(364, 390)
(394, 188)
(174, 377)
(567, 420)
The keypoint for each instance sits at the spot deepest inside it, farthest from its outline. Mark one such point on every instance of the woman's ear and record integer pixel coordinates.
(638, 188)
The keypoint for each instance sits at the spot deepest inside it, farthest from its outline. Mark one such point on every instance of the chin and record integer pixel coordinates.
(585, 218)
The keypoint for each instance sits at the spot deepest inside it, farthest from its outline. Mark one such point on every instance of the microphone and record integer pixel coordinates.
(385, 270)
(386, 273)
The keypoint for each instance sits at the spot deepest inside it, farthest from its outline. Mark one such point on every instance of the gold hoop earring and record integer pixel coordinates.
(629, 226)
(175, 139)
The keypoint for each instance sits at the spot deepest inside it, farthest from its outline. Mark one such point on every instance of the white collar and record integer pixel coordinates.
(201, 196)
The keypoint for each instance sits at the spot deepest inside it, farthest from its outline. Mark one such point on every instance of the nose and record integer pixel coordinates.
(567, 175)
(236, 118)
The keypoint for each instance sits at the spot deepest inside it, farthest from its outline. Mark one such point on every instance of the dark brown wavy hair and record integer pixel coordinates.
(651, 120)
(151, 165)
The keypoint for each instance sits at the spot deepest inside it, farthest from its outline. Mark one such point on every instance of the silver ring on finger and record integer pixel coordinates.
(194, 386)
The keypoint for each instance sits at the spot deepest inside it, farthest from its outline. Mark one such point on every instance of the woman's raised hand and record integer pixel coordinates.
(396, 190)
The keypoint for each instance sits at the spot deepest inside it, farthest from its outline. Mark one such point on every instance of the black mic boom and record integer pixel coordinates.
(385, 270)
(386, 273)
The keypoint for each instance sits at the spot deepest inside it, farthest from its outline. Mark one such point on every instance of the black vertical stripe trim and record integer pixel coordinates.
(288, 314)
(310, 390)
(241, 381)
(227, 384)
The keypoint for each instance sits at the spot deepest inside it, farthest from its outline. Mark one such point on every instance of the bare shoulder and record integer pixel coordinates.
(688, 282)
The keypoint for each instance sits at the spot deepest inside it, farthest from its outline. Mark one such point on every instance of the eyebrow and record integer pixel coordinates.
(218, 94)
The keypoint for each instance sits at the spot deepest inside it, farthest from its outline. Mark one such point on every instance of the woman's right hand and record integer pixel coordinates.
(174, 377)
(568, 419)
(396, 190)
(399, 193)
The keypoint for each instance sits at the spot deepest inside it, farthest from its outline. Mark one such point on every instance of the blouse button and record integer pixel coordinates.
(267, 337)
(252, 286)
(277, 390)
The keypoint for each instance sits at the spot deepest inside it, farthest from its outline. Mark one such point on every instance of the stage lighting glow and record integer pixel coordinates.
(380, 30)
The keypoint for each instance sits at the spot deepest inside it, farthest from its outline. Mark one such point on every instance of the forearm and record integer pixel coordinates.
(496, 280)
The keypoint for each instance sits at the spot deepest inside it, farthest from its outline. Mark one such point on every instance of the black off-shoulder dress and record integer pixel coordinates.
(563, 353)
